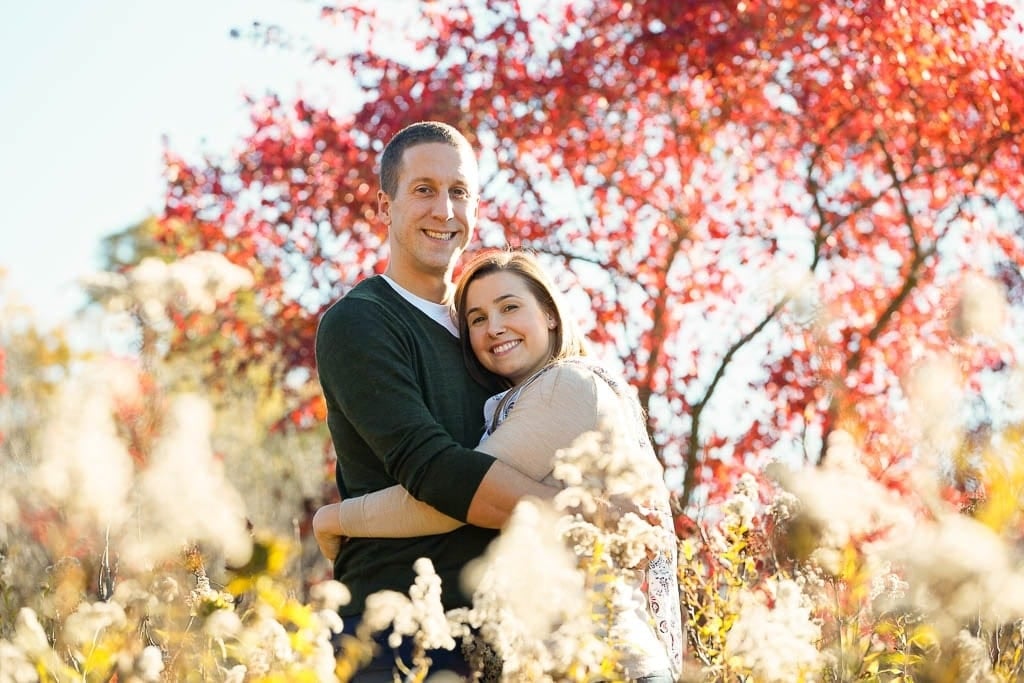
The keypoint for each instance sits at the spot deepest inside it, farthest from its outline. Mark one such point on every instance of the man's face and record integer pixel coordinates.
(433, 214)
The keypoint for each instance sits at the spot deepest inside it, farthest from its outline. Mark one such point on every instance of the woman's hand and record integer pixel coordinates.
(327, 530)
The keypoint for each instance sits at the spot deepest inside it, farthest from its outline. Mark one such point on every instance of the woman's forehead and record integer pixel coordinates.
(494, 285)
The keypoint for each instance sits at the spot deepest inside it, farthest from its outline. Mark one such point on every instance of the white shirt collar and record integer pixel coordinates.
(439, 313)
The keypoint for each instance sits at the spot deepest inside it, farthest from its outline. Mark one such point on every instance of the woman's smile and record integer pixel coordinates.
(504, 347)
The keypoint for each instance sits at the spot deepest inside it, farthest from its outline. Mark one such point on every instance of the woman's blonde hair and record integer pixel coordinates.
(568, 341)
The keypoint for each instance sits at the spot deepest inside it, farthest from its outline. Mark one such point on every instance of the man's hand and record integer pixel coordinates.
(327, 530)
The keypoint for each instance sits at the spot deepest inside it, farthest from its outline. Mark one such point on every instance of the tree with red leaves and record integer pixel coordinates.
(765, 209)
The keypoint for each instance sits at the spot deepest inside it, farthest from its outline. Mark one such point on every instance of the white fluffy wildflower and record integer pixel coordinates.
(888, 587)
(425, 594)
(933, 390)
(386, 609)
(236, 674)
(131, 595)
(204, 599)
(183, 495)
(29, 636)
(775, 636)
(603, 461)
(264, 643)
(843, 500)
(109, 288)
(784, 506)
(331, 620)
(289, 461)
(975, 665)
(981, 309)
(419, 615)
(535, 613)
(223, 624)
(958, 569)
(165, 588)
(27, 651)
(85, 468)
(612, 485)
(10, 510)
(739, 509)
(15, 666)
(196, 282)
(329, 594)
(582, 535)
(90, 618)
(205, 278)
(634, 538)
(146, 667)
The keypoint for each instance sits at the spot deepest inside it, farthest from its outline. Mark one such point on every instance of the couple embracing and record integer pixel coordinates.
(408, 360)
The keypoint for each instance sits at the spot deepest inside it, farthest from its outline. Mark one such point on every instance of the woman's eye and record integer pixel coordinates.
(476, 320)
(510, 307)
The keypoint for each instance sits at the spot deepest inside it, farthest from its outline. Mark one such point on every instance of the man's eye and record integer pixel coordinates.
(460, 193)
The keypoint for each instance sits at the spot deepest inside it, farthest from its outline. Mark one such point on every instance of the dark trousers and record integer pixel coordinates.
(382, 668)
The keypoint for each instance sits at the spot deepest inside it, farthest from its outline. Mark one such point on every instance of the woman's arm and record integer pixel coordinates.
(549, 415)
(394, 513)
(327, 531)
(391, 513)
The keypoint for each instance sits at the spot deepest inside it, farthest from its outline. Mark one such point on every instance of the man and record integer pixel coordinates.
(401, 406)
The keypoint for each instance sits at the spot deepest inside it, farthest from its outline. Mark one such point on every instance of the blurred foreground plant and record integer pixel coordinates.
(115, 503)
(127, 550)
(840, 578)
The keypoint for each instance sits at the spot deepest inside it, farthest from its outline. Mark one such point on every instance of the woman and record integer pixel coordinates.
(511, 323)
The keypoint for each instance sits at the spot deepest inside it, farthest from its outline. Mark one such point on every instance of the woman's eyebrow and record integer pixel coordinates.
(497, 299)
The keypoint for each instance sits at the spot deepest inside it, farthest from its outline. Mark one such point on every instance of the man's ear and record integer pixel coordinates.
(384, 207)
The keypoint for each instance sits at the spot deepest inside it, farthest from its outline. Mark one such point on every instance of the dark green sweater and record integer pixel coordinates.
(401, 408)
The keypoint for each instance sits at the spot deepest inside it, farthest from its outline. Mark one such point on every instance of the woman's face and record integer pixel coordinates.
(509, 331)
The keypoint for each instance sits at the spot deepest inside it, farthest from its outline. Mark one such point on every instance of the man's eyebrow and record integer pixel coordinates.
(423, 179)
(463, 182)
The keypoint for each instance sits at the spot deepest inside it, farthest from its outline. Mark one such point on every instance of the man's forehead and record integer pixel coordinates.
(437, 159)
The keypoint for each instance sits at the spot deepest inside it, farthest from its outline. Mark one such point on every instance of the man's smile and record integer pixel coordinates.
(445, 236)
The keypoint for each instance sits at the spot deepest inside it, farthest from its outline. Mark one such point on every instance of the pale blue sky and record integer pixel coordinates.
(86, 92)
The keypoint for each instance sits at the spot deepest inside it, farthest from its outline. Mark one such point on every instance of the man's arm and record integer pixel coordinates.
(363, 364)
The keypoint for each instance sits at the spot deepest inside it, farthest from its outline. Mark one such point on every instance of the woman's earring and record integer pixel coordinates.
(551, 324)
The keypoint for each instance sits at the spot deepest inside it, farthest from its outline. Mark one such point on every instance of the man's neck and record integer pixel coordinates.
(430, 287)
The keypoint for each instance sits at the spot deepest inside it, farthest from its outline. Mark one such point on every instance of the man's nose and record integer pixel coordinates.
(443, 207)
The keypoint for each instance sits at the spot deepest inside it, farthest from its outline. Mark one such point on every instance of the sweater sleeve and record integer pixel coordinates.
(549, 415)
(392, 513)
(371, 380)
